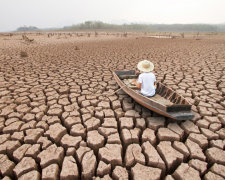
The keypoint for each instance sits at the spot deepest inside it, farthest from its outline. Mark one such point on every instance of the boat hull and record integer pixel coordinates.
(153, 106)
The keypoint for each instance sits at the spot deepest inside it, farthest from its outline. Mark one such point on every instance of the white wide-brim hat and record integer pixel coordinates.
(145, 66)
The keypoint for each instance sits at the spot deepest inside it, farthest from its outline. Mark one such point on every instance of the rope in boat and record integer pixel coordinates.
(107, 95)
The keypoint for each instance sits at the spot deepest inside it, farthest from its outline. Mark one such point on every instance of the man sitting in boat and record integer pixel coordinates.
(146, 81)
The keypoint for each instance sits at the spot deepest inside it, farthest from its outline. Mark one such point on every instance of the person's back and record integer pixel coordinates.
(147, 80)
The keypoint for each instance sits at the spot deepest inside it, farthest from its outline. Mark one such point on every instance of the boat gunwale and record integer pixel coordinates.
(165, 107)
(177, 115)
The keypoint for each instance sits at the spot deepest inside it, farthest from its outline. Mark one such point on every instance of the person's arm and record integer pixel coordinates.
(155, 81)
(137, 84)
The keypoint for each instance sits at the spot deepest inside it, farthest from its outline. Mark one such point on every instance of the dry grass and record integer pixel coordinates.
(23, 54)
(77, 48)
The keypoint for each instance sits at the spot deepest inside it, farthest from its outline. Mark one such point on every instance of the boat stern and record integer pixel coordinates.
(182, 115)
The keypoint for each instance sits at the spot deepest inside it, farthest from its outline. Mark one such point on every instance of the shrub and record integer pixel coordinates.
(23, 54)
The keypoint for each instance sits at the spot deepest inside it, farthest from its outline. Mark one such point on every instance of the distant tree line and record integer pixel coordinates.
(27, 28)
(98, 25)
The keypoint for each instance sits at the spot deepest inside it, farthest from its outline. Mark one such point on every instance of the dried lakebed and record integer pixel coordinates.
(56, 123)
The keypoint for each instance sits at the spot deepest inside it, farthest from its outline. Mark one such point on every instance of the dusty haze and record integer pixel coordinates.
(58, 13)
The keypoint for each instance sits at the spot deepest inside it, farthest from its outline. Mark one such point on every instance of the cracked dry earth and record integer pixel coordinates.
(56, 123)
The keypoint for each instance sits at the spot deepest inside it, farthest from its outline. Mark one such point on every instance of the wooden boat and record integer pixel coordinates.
(166, 101)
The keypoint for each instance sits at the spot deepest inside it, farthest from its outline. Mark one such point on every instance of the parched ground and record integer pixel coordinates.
(56, 122)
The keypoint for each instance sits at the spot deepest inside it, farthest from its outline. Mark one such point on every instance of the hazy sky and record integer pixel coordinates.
(59, 13)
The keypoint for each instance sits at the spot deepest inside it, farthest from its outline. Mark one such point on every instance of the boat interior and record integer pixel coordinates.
(164, 95)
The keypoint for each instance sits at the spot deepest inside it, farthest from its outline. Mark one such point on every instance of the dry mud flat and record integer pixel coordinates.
(55, 122)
